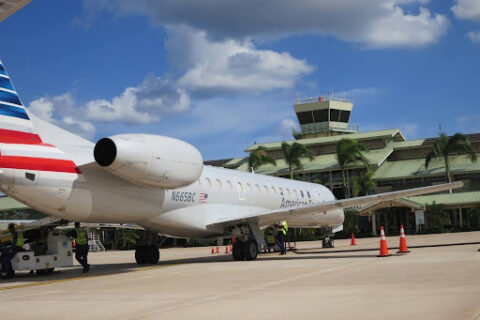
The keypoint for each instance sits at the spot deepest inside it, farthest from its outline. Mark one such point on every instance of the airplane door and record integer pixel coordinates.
(240, 188)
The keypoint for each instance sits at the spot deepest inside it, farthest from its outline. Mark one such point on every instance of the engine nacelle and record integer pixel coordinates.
(150, 160)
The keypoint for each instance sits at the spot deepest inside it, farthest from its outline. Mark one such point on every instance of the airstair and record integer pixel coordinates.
(94, 243)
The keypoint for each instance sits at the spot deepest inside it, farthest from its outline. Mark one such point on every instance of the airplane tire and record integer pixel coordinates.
(237, 252)
(140, 255)
(147, 255)
(153, 254)
(250, 250)
(42, 272)
(8, 274)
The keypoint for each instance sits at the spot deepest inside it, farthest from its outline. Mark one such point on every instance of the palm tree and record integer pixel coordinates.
(293, 152)
(259, 157)
(349, 151)
(363, 185)
(445, 146)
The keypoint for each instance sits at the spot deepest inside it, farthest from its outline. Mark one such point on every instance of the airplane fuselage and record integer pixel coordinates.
(95, 195)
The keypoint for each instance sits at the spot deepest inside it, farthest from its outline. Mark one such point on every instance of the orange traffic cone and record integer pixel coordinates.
(226, 249)
(213, 251)
(403, 242)
(217, 250)
(353, 242)
(231, 247)
(383, 244)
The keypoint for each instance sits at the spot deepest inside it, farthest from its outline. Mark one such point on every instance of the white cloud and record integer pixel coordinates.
(361, 92)
(375, 23)
(467, 9)
(61, 110)
(398, 29)
(474, 36)
(287, 127)
(231, 65)
(146, 103)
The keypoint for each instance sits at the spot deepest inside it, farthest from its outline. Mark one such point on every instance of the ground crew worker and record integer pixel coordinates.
(270, 239)
(81, 241)
(285, 236)
(281, 234)
(16, 245)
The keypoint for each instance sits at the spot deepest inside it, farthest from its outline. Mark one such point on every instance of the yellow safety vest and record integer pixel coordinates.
(285, 227)
(270, 238)
(81, 238)
(20, 240)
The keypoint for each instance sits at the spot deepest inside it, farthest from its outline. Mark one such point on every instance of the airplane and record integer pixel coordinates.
(156, 182)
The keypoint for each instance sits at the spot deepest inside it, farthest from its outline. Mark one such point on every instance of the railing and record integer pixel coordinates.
(94, 243)
(329, 97)
(325, 127)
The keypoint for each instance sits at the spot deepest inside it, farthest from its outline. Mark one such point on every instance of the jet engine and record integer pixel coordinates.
(150, 160)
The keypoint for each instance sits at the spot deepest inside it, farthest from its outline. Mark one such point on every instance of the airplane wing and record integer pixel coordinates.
(273, 216)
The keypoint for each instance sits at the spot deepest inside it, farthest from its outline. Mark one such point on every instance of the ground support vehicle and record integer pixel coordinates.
(44, 257)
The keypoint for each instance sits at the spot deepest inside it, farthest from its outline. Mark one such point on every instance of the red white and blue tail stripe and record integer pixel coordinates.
(20, 146)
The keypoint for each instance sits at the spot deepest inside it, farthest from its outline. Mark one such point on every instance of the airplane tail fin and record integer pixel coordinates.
(15, 124)
(21, 147)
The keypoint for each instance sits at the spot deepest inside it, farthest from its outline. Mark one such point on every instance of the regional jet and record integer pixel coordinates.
(156, 182)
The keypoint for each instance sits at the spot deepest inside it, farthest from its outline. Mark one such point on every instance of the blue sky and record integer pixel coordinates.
(223, 74)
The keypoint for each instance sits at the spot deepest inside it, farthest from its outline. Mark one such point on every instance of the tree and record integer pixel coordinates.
(259, 157)
(293, 153)
(474, 216)
(363, 185)
(349, 151)
(445, 146)
(129, 238)
(436, 216)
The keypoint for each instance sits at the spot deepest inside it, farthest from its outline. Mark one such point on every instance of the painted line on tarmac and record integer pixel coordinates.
(311, 250)
(34, 284)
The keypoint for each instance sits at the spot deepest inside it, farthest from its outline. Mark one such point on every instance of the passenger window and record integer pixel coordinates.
(301, 192)
(295, 193)
(249, 187)
(257, 187)
(208, 182)
(219, 184)
(274, 191)
(288, 192)
(308, 194)
(266, 189)
(229, 184)
(281, 191)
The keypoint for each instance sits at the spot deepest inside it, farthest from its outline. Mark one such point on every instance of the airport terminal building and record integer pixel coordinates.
(397, 164)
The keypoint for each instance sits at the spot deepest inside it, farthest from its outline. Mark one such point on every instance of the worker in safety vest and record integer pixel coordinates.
(16, 245)
(281, 236)
(81, 251)
(270, 238)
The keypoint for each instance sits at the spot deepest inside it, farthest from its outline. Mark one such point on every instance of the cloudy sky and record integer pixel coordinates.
(223, 74)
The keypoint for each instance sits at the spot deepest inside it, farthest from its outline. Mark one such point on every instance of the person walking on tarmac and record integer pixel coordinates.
(281, 236)
(81, 246)
(16, 245)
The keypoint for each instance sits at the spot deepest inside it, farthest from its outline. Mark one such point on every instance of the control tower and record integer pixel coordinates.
(323, 116)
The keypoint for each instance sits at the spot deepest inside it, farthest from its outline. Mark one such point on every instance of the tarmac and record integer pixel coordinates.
(438, 279)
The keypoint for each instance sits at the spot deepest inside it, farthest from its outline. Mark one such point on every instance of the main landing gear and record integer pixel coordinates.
(249, 240)
(147, 251)
(245, 250)
(147, 255)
